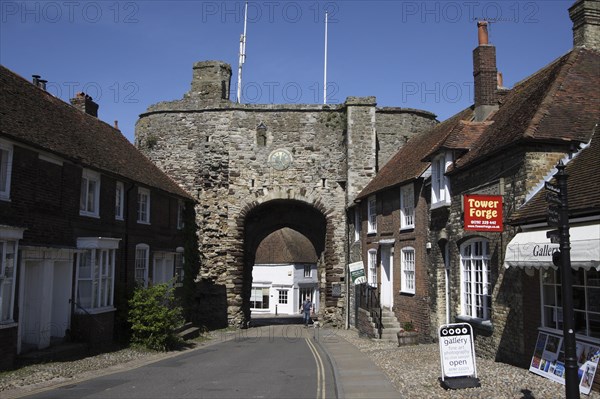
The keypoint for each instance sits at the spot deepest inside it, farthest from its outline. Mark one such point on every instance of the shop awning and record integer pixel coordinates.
(533, 249)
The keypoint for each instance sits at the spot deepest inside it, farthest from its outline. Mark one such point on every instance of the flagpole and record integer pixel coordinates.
(325, 68)
(242, 59)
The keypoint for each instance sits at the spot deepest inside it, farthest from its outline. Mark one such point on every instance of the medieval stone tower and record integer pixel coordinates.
(258, 168)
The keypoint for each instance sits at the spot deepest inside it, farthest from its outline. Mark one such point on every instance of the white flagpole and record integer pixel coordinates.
(325, 68)
(242, 59)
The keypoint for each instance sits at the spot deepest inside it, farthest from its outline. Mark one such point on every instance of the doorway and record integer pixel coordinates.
(387, 278)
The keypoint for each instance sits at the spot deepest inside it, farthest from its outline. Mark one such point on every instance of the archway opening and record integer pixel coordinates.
(284, 242)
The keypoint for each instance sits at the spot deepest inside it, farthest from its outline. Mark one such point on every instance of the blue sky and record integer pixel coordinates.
(416, 54)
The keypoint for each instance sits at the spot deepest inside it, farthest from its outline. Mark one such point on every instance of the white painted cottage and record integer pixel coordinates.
(284, 273)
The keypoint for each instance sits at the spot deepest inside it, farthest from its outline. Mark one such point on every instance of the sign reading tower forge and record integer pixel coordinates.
(258, 168)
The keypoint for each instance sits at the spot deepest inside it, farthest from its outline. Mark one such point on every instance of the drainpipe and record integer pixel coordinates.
(447, 272)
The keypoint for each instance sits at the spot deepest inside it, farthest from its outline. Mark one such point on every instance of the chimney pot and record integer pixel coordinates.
(485, 75)
(482, 32)
(117, 125)
(36, 79)
(500, 80)
(42, 84)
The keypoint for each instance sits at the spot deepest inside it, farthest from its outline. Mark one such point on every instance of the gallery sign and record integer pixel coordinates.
(483, 212)
(357, 272)
(457, 351)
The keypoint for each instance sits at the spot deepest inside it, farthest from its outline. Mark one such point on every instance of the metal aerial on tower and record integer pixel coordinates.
(242, 59)
(325, 67)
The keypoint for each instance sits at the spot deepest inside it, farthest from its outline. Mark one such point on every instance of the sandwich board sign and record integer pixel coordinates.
(457, 356)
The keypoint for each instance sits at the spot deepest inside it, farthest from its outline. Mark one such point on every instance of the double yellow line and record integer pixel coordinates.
(320, 370)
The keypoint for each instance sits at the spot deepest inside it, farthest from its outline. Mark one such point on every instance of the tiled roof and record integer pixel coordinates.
(285, 246)
(407, 164)
(583, 188)
(560, 103)
(34, 117)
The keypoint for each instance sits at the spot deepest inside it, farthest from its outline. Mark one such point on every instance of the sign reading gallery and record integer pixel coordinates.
(483, 212)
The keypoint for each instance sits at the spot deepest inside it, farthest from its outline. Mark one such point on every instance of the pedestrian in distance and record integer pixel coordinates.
(306, 309)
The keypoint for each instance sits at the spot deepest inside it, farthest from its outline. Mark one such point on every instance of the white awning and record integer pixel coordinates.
(533, 249)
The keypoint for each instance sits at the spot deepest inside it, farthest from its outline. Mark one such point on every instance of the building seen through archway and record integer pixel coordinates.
(284, 274)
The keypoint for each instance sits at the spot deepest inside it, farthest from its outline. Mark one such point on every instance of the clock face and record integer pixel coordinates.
(280, 159)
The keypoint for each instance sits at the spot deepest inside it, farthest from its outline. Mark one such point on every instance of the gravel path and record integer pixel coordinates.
(414, 370)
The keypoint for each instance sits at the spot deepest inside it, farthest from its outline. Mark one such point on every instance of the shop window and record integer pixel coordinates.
(475, 279)
(586, 301)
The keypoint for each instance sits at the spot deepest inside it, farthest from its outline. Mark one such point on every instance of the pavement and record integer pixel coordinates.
(355, 374)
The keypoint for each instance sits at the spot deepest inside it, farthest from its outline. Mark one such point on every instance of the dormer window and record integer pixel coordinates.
(440, 185)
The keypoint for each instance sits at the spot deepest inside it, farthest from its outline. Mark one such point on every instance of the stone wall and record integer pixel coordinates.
(232, 157)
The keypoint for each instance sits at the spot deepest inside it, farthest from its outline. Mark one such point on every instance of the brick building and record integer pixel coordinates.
(83, 217)
(504, 146)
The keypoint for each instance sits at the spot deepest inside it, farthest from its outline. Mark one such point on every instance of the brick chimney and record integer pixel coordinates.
(585, 15)
(85, 104)
(485, 74)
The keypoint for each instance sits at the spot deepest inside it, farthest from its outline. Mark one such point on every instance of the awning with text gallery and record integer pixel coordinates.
(533, 249)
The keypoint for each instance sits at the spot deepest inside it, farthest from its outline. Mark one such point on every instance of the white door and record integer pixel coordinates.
(61, 295)
(36, 310)
(387, 291)
(163, 268)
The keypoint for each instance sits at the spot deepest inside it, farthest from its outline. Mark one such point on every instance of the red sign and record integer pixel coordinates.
(483, 212)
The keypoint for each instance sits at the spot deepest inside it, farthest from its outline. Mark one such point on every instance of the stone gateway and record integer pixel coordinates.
(255, 169)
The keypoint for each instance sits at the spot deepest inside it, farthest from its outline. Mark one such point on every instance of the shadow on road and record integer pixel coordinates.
(270, 320)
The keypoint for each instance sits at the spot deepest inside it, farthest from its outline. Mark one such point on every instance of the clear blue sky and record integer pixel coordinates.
(418, 54)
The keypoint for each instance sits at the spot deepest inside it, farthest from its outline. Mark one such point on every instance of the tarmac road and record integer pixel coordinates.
(266, 362)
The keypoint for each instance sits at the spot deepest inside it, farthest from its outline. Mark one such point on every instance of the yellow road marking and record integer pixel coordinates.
(320, 370)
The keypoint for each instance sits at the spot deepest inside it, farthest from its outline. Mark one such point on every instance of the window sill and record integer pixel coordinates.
(371, 233)
(5, 198)
(89, 215)
(483, 325)
(8, 324)
(578, 337)
(142, 222)
(120, 219)
(407, 228)
(441, 204)
(405, 292)
(95, 311)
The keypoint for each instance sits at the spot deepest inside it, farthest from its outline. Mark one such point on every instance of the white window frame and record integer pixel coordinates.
(408, 271)
(180, 214)
(372, 214)
(179, 267)
(143, 215)
(282, 297)
(102, 258)
(119, 200)
(307, 271)
(6, 160)
(440, 184)
(357, 223)
(88, 176)
(407, 207)
(372, 267)
(475, 280)
(142, 262)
